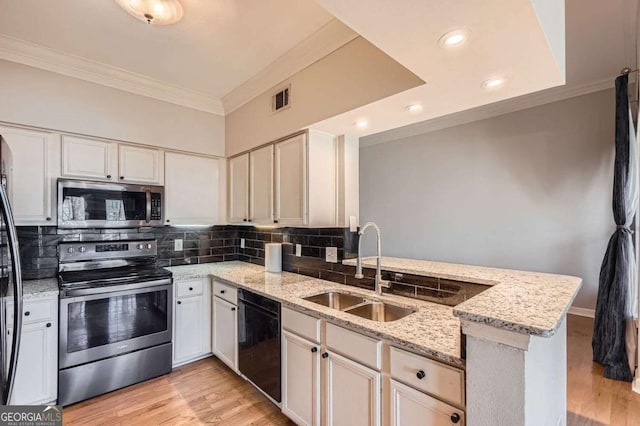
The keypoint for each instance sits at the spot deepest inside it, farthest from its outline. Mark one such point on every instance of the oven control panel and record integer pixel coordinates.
(96, 250)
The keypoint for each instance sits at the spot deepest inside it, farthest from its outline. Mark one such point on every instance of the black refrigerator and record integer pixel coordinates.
(10, 297)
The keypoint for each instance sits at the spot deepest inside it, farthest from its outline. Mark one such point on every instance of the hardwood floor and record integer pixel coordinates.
(207, 392)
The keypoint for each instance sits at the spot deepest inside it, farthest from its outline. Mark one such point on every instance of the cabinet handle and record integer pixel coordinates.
(455, 418)
(314, 350)
(233, 309)
(223, 291)
(325, 355)
(168, 221)
(190, 288)
(275, 221)
(122, 177)
(48, 324)
(244, 220)
(179, 302)
(49, 219)
(420, 374)
(27, 313)
(108, 176)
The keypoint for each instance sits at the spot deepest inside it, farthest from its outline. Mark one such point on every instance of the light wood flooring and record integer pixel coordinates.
(207, 392)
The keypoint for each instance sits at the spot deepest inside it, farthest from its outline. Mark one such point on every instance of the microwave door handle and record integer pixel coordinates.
(148, 212)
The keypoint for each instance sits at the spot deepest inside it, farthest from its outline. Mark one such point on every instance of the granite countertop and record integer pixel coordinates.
(525, 302)
(40, 288)
(432, 330)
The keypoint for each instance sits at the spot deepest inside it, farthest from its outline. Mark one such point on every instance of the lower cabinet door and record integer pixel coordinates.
(300, 379)
(36, 379)
(188, 336)
(225, 332)
(411, 407)
(352, 392)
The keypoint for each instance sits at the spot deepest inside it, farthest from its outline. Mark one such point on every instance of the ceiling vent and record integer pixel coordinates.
(280, 100)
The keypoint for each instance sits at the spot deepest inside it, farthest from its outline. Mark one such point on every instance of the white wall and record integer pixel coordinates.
(528, 190)
(35, 97)
(354, 75)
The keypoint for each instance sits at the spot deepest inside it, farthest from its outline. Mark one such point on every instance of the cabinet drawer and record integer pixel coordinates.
(428, 376)
(33, 311)
(301, 324)
(226, 292)
(190, 287)
(355, 346)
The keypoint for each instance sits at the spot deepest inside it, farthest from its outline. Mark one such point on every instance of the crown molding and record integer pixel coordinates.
(38, 56)
(488, 111)
(318, 45)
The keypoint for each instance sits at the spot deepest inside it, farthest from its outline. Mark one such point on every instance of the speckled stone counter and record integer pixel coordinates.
(525, 302)
(40, 288)
(432, 330)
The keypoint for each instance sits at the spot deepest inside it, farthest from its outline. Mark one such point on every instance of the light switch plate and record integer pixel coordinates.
(331, 255)
(298, 250)
(241, 242)
(177, 244)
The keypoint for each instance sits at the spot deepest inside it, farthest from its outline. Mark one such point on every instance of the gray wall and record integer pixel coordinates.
(528, 190)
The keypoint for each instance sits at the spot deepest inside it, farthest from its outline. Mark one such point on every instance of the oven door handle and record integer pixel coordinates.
(148, 212)
(115, 288)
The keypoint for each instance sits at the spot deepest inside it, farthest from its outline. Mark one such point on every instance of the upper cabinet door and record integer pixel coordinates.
(261, 185)
(136, 164)
(291, 181)
(239, 189)
(89, 158)
(31, 161)
(191, 189)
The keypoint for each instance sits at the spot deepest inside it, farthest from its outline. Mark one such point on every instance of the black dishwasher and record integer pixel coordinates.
(259, 341)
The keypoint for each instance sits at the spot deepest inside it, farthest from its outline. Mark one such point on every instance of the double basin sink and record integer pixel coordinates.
(360, 306)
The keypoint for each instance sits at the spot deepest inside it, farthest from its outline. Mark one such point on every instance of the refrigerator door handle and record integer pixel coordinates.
(12, 235)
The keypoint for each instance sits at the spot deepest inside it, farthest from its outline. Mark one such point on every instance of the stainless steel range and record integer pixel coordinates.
(115, 317)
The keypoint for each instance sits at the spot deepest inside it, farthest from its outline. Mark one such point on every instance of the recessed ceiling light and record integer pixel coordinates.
(493, 83)
(361, 124)
(414, 108)
(453, 38)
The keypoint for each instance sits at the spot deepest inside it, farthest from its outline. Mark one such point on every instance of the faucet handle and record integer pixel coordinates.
(359, 276)
(385, 283)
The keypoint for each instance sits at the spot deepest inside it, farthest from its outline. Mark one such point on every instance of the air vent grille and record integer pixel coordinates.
(280, 100)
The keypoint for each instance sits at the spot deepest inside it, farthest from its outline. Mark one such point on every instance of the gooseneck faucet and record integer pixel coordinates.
(379, 282)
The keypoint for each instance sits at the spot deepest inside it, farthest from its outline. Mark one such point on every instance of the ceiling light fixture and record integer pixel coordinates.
(493, 83)
(361, 124)
(415, 108)
(453, 38)
(156, 12)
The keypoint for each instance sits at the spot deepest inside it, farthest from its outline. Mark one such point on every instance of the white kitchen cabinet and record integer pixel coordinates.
(36, 379)
(261, 185)
(352, 392)
(238, 189)
(192, 320)
(291, 181)
(300, 379)
(31, 161)
(140, 165)
(225, 332)
(191, 189)
(85, 158)
(411, 407)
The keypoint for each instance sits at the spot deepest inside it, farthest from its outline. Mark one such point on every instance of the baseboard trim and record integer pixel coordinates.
(582, 312)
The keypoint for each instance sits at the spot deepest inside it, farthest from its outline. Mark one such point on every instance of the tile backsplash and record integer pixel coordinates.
(39, 256)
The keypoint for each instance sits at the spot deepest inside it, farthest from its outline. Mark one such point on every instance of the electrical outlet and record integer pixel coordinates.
(331, 255)
(241, 242)
(298, 250)
(177, 244)
(353, 224)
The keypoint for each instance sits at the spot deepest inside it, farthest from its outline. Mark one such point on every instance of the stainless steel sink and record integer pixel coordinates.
(380, 311)
(336, 300)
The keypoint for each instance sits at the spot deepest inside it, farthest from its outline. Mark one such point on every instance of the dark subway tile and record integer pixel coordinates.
(319, 241)
(311, 272)
(337, 277)
(210, 259)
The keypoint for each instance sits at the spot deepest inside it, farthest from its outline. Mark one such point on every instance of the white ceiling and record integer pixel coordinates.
(599, 42)
(216, 47)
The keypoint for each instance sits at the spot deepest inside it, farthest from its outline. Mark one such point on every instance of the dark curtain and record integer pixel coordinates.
(609, 329)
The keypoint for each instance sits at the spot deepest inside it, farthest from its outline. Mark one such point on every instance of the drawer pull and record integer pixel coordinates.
(420, 375)
(48, 324)
(455, 418)
(108, 176)
(223, 291)
(325, 355)
(314, 350)
(27, 313)
(190, 288)
(233, 309)
(179, 302)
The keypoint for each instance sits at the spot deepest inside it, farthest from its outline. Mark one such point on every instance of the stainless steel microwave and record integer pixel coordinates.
(87, 204)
